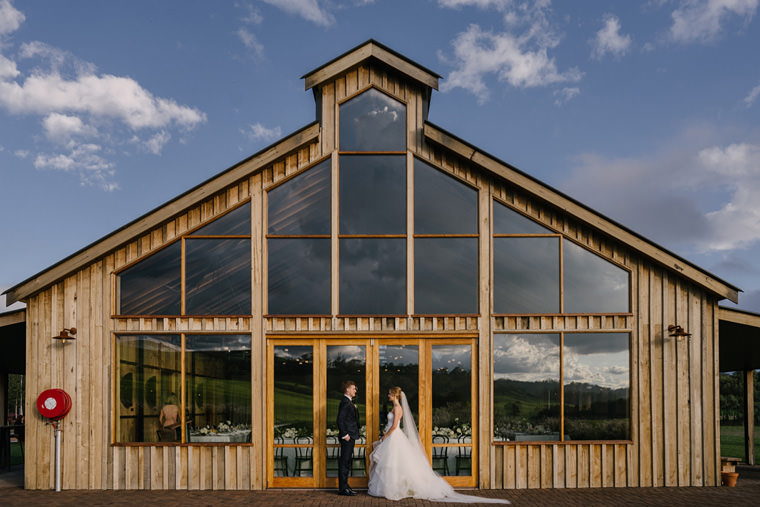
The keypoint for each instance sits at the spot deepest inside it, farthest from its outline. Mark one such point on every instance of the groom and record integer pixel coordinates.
(348, 430)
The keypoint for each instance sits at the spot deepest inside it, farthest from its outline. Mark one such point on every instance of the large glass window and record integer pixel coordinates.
(218, 276)
(149, 380)
(217, 267)
(372, 194)
(372, 276)
(526, 387)
(533, 272)
(445, 243)
(597, 386)
(593, 372)
(299, 244)
(153, 286)
(593, 284)
(372, 121)
(218, 383)
(217, 394)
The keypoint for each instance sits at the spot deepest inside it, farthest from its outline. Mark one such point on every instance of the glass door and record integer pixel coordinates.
(305, 387)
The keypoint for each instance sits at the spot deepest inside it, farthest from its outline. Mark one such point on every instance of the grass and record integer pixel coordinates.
(732, 442)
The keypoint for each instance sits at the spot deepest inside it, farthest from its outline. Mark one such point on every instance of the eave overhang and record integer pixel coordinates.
(581, 212)
(739, 340)
(365, 51)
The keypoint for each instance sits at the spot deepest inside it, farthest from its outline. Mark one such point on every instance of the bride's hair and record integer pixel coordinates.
(396, 392)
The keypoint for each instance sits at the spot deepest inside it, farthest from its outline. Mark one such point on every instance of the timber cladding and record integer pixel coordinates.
(673, 382)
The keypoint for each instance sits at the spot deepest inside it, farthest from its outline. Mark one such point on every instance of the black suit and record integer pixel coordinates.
(348, 424)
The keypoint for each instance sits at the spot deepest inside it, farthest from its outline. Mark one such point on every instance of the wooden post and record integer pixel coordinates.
(749, 416)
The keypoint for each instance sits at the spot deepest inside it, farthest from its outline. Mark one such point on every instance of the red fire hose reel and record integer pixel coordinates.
(54, 404)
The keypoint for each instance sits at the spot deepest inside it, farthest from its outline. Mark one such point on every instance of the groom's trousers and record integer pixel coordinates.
(344, 462)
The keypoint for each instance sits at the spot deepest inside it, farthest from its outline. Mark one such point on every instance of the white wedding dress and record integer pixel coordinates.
(399, 468)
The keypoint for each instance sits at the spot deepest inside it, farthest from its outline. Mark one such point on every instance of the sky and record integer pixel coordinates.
(648, 112)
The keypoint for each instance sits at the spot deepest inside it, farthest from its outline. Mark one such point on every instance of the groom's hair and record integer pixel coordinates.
(347, 384)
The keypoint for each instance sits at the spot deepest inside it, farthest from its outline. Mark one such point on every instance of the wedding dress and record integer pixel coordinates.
(399, 467)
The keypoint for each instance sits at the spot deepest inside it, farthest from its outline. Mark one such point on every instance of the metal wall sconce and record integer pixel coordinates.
(66, 334)
(678, 332)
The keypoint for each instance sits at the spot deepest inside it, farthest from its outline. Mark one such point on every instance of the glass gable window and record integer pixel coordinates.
(536, 271)
(372, 194)
(592, 284)
(594, 380)
(218, 277)
(372, 276)
(153, 286)
(299, 244)
(217, 266)
(445, 243)
(372, 121)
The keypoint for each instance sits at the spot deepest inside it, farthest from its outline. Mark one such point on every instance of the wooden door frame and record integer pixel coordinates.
(372, 396)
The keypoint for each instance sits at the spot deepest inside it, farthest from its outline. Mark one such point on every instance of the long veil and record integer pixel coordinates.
(408, 426)
(443, 491)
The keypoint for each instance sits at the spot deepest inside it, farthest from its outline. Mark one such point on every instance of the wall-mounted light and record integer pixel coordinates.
(678, 332)
(66, 334)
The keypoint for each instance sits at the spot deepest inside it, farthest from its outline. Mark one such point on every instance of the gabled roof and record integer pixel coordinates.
(365, 51)
(372, 50)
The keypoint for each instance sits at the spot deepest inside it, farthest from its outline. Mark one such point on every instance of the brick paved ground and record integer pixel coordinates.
(747, 492)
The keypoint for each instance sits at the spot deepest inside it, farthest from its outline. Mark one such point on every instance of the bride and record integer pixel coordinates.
(399, 467)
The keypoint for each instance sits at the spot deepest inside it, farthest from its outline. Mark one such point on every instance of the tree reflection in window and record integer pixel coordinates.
(597, 386)
(372, 121)
(526, 387)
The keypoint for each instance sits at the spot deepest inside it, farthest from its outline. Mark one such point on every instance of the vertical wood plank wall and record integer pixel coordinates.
(674, 441)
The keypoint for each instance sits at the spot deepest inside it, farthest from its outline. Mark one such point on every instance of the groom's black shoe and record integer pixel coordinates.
(347, 492)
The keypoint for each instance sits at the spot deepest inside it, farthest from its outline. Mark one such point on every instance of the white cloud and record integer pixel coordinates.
(565, 94)
(156, 143)
(483, 4)
(251, 42)
(258, 132)
(21, 153)
(522, 61)
(310, 10)
(8, 69)
(687, 196)
(753, 94)
(609, 40)
(10, 18)
(703, 20)
(737, 222)
(107, 96)
(84, 159)
(60, 128)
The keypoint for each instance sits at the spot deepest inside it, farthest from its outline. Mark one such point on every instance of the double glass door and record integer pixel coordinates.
(305, 381)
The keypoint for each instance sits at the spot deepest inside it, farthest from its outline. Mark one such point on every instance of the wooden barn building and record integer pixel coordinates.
(540, 343)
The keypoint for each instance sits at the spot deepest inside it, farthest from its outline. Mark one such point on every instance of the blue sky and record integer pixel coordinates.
(648, 112)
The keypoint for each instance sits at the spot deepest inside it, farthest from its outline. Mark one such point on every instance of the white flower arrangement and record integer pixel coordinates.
(223, 427)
